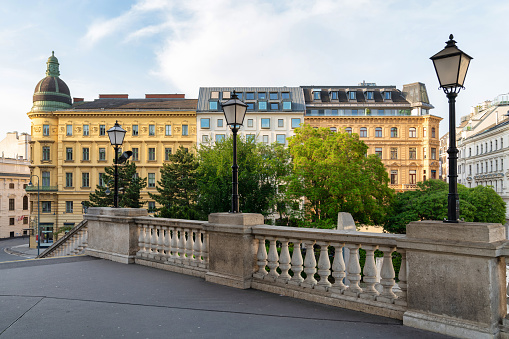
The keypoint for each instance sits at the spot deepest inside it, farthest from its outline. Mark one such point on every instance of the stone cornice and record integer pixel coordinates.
(130, 114)
(374, 119)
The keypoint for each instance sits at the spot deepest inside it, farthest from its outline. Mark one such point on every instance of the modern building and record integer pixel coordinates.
(70, 147)
(272, 113)
(395, 124)
(482, 142)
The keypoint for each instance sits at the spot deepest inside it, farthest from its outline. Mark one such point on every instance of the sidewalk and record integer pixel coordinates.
(24, 251)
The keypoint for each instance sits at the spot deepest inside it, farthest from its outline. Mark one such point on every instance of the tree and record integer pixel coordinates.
(429, 202)
(332, 172)
(129, 183)
(261, 170)
(177, 189)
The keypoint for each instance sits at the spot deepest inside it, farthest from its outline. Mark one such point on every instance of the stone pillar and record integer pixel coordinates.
(232, 248)
(113, 233)
(456, 278)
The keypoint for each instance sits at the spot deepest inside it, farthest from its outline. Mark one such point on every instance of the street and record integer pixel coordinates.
(12, 243)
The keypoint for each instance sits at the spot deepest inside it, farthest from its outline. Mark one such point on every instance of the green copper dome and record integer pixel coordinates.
(51, 93)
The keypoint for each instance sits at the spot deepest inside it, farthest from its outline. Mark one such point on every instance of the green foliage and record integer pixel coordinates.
(332, 172)
(429, 202)
(129, 183)
(177, 189)
(261, 169)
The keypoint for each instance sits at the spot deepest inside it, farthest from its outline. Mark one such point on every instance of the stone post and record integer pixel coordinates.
(113, 233)
(232, 248)
(456, 278)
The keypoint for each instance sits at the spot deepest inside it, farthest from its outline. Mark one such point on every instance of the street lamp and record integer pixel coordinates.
(38, 211)
(451, 65)
(116, 135)
(234, 112)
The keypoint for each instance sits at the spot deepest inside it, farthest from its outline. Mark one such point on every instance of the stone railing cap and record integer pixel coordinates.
(117, 212)
(461, 231)
(243, 219)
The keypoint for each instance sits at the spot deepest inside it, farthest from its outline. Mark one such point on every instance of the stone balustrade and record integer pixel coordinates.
(73, 242)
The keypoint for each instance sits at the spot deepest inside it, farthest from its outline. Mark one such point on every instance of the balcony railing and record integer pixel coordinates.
(41, 188)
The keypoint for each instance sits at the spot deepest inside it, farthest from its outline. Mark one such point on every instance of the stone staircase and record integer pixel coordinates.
(73, 243)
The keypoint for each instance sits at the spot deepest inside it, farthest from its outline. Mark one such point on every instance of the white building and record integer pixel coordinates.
(272, 113)
(483, 147)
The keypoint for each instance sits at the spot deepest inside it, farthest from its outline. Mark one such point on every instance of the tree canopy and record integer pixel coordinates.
(429, 202)
(332, 172)
(129, 183)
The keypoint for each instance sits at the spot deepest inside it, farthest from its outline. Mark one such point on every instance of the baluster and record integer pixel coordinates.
(205, 251)
(151, 242)
(323, 267)
(338, 269)
(309, 265)
(369, 273)
(141, 241)
(387, 276)
(189, 246)
(160, 243)
(261, 257)
(85, 237)
(284, 262)
(273, 259)
(166, 243)
(181, 247)
(354, 271)
(197, 248)
(173, 244)
(402, 276)
(296, 263)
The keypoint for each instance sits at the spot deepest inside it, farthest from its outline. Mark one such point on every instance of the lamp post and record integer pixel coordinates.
(451, 65)
(116, 135)
(234, 112)
(38, 212)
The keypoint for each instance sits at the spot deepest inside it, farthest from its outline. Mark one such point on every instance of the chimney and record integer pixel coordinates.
(113, 96)
(78, 99)
(165, 96)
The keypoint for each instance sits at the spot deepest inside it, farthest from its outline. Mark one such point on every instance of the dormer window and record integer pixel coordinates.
(352, 95)
(250, 96)
(226, 95)
(369, 95)
(317, 94)
(285, 95)
(214, 95)
(387, 95)
(334, 95)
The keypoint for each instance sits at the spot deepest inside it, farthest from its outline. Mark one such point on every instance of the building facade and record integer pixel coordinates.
(396, 125)
(482, 142)
(272, 113)
(444, 156)
(70, 147)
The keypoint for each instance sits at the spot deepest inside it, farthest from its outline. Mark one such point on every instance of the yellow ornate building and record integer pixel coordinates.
(70, 147)
(396, 125)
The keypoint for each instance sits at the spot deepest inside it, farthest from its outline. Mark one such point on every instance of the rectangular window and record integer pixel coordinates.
(412, 153)
(151, 180)
(151, 154)
(102, 129)
(433, 153)
(412, 132)
(273, 96)
(424, 132)
(333, 129)
(46, 206)
(378, 132)
(25, 222)
(287, 105)
(250, 137)
(11, 221)
(285, 95)
(136, 131)
(86, 130)
(334, 95)
(413, 178)
(433, 174)
(167, 154)
(68, 153)
(204, 138)
(213, 105)
(68, 207)
(136, 154)
(424, 153)
(214, 95)
(151, 130)
(45, 153)
(363, 132)
(250, 106)
(387, 95)
(280, 139)
(250, 96)
(394, 177)
(45, 178)
(280, 123)
(85, 179)
(11, 205)
(151, 206)
(68, 179)
(394, 132)
(185, 130)
(45, 130)
(265, 123)
(219, 122)
(378, 151)
(262, 96)
(167, 130)
(102, 154)
(205, 123)
(316, 95)
(86, 154)
(369, 95)
(68, 129)
(262, 105)
(220, 137)
(265, 139)
(226, 95)
(295, 122)
(394, 153)
(352, 95)
(249, 122)
(101, 180)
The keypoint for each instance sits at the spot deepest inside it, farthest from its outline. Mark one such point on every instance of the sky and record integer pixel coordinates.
(175, 46)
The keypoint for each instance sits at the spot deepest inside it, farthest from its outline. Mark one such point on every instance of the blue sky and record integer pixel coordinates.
(167, 46)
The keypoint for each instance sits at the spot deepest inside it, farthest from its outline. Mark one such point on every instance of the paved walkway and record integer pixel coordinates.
(75, 297)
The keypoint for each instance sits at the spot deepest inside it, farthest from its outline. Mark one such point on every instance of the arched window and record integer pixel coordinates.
(378, 132)
(25, 203)
(348, 130)
(412, 132)
(394, 132)
(364, 132)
